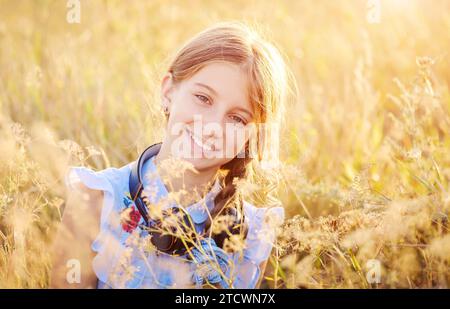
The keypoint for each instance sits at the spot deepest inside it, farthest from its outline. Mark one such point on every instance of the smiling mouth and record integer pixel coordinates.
(203, 145)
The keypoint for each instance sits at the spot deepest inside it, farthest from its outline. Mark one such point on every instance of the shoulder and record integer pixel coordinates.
(263, 223)
(112, 184)
(263, 215)
(96, 180)
(86, 191)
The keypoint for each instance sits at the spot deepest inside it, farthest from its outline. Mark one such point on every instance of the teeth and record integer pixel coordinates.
(199, 141)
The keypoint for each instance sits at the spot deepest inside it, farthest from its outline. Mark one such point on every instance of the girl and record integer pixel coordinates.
(220, 88)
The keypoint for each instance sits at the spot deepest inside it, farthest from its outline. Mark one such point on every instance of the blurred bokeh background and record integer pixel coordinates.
(365, 145)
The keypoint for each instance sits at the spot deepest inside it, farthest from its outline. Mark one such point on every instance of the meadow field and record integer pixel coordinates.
(365, 144)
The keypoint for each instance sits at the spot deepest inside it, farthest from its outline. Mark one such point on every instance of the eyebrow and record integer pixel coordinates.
(207, 87)
(215, 93)
(245, 111)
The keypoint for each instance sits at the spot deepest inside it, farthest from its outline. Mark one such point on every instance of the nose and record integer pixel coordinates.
(213, 123)
(216, 115)
(212, 130)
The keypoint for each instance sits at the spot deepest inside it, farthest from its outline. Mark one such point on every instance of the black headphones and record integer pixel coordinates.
(168, 243)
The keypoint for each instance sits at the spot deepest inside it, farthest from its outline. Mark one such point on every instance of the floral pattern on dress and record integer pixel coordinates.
(130, 215)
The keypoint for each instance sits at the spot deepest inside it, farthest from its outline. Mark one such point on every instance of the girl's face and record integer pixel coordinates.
(211, 117)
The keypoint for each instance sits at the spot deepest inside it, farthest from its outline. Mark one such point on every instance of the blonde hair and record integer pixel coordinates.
(237, 43)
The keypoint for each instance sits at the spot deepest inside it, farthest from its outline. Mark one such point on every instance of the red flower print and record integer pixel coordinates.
(130, 219)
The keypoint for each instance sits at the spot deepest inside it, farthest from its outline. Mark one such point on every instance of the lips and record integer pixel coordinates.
(206, 146)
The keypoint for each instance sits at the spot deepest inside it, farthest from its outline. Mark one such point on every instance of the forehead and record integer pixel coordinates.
(229, 80)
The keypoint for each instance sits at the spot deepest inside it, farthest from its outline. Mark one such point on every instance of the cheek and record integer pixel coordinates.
(235, 139)
(184, 107)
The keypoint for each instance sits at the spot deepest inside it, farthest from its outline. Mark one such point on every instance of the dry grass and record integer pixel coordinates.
(365, 147)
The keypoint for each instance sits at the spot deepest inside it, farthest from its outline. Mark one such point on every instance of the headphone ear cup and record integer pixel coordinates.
(187, 229)
(162, 242)
(236, 226)
(172, 244)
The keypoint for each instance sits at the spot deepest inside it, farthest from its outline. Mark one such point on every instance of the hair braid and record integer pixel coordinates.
(228, 197)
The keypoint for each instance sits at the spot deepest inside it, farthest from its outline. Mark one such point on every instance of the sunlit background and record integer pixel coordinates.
(365, 146)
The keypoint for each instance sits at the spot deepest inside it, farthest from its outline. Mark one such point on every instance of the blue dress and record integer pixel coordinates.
(121, 260)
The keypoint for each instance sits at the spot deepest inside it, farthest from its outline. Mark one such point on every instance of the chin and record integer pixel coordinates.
(204, 163)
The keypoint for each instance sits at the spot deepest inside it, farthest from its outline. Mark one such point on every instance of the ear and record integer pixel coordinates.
(167, 86)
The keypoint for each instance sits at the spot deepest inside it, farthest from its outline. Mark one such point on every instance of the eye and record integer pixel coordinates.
(203, 98)
(239, 120)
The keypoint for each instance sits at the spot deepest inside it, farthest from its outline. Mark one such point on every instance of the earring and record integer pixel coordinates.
(166, 111)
